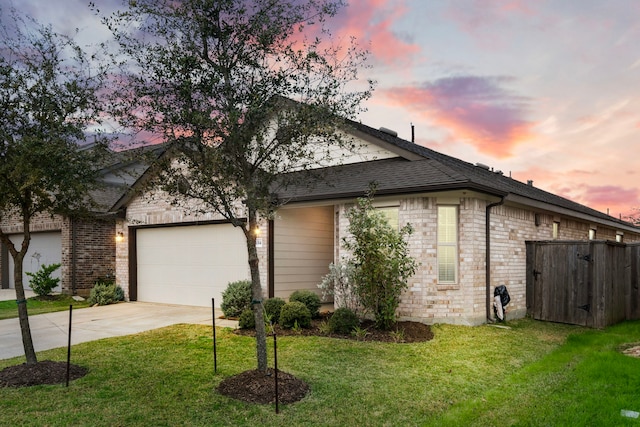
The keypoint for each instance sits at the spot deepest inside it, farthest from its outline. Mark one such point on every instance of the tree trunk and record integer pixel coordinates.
(23, 316)
(256, 291)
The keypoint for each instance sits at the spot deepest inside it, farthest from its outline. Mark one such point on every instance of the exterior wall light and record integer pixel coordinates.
(119, 237)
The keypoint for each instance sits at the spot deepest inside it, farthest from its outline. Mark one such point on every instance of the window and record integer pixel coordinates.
(556, 229)
(619, 237)
(592, 234)
(447, 244)
(391, 213)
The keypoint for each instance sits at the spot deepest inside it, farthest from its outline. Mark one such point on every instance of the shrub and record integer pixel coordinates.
(247, 319)
(310, 299)
(236, 298)
(324, 328)
(41, 281)
(105, 292)
(381, 258)
(343, 321)
(339, 283)
(295, 313)
(272, 307)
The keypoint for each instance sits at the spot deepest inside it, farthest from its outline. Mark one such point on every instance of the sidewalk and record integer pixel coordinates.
(88, 324)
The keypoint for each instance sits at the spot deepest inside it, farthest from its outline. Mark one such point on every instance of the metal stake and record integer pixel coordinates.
(213, 316)
(275, 367)
(69, 346)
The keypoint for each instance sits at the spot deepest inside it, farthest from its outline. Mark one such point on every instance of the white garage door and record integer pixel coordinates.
(44, 248)
(189, 265)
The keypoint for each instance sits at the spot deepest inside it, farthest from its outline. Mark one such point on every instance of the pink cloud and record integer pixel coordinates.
(371, 21)
(475, 109)
(573, 185)
(484, 19)
(613, 199)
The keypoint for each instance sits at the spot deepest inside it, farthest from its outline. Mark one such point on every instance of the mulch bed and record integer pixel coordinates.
(255, 387)
(401, 332)
(44, 372)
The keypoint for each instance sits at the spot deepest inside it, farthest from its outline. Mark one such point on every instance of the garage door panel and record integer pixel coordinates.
(189, 265)
(44, 248)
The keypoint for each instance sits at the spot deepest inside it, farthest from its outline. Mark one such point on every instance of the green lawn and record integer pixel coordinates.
(531, 374)
(36, 305)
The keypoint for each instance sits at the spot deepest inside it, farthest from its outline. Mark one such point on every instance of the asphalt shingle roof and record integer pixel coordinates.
(434, 171)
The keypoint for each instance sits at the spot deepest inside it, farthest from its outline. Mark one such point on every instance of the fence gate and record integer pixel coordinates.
(559, 282)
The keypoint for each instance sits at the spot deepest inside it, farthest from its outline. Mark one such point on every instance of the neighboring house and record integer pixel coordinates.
(85, 247)
(470, 227)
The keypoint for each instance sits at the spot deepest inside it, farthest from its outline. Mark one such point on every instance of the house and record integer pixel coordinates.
(85, 247)
(470, 227)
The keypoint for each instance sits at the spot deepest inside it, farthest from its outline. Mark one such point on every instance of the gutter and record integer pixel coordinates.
(488, 254)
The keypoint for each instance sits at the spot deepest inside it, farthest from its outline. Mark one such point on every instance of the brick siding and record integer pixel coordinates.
(90, 242)
(94, 254)
(465, 301)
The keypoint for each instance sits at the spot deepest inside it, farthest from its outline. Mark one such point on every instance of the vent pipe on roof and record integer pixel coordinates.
(388, 131)
(530, 182)
(413, 133)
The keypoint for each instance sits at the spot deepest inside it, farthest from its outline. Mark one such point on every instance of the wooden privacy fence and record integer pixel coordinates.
(592, 283)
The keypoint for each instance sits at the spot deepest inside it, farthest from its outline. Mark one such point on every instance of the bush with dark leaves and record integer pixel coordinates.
(310, 299)
(272, 308)
(41, 281)
(247, 319)
(343, 321)
(295, 314)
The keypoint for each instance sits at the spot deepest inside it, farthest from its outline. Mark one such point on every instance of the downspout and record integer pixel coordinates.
(487, 255)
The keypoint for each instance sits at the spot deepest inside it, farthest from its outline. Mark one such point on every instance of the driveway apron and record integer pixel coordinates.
(88, 324)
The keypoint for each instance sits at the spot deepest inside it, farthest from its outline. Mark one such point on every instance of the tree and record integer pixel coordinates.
(47, 99)
(633, 218)
(243, 96)
(381, 260)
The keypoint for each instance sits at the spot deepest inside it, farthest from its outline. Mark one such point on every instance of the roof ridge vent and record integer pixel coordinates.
(482, 165)
(388, 131)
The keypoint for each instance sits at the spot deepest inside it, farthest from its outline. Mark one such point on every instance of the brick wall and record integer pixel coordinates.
(465, 301)
(510, 227)
(155, 208)
(91, 244)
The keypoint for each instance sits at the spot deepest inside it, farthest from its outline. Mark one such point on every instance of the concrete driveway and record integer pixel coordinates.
(8, 294)
(51, 330)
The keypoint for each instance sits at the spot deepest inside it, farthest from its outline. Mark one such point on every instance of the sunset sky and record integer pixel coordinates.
(544, 90)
